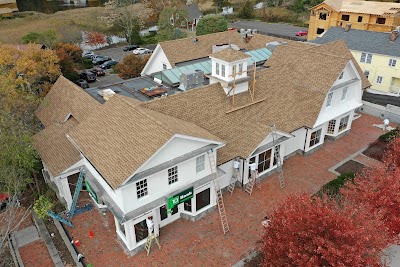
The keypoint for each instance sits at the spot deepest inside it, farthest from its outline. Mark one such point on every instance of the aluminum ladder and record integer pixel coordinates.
(149, 242)
(253, 180)
(220, 199)
(277, 156)
(232, 182)
(78, 188)
(61, 219)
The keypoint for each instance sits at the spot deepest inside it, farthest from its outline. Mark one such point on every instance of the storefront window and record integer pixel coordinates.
(264, 161)
(141, 231)
(164, 214)
(202, 199)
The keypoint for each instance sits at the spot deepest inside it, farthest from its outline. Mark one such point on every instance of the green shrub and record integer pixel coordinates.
(87, 63)
(390, 135)
(332, 188)
(211, 24)
(247, 10)
(150, 39)
(42, 205)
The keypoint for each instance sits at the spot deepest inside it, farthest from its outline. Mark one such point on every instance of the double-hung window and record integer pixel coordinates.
(200, 163)
(173, 175)
(392, 62)
(217, 68)
(366, 58)
(315, 138)
(344, 93)
(329, 99)
(379, 79)
(223, 70)
(343, 123)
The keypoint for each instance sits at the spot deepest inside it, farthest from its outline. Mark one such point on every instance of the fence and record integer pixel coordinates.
(293, 38)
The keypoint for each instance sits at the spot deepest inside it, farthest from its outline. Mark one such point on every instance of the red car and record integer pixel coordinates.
(301, 33)
(3, 200)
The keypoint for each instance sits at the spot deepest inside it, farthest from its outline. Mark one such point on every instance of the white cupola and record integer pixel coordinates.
(229, 67)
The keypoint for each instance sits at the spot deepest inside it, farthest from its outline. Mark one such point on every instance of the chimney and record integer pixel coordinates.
(394, 35)
(348, 27)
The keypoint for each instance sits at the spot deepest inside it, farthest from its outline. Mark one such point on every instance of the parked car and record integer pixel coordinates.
(82, 83)
(301, 33)
(98, 71)
(3, 200)
(108, 64)
(88, 76)
(87, 54)
(100, 60)
(130, 47)
(142, 51)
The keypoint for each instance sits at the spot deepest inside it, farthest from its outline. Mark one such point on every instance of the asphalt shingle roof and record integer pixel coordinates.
(364, 41)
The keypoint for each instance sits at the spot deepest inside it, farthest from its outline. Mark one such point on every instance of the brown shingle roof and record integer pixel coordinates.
(229, 55)
(185, 49)
(121, 136)
(55, 149)
(65, 98)
(289, 95)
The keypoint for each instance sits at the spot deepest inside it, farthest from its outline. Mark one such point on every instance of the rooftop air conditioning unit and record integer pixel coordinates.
(190, 79)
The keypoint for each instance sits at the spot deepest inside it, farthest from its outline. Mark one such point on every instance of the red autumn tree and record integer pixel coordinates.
(315, 232)
(379, 189)
(95, 38)
(131, 66)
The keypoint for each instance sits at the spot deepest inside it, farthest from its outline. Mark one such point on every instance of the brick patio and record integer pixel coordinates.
(185, 243)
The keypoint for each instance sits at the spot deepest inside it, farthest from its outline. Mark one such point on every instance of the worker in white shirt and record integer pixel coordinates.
(236, 165)
(150, 225)
(385, 124)
(253, 170)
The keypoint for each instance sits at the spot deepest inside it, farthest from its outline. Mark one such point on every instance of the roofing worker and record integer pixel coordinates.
(385, 124)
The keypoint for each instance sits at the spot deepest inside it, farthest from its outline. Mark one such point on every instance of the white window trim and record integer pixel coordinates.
(334, 128)
(344, 93)
(223, 70)
(137, 191)
(366, 56)
(216, 68)
(173, 176)
(379, 81)
(329, 99)
(347, 124)
(320, 139)
(200, 168)
(341, 75)
(391, 61)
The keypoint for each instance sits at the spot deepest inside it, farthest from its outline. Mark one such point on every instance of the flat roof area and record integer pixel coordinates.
(130, 88)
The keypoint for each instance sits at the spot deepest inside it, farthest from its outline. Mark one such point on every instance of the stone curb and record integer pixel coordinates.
(15, 252)
(47, 240)
(333, 168)
(246, 259)
(67, 243)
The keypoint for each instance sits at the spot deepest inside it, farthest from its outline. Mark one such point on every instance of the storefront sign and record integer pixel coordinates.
(179, 198)
(91, 191)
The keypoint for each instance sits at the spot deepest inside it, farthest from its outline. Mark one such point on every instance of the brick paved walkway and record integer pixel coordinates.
(35, 254)
(202, 243)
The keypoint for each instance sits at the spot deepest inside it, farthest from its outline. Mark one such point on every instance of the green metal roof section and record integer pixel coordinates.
(171, 76)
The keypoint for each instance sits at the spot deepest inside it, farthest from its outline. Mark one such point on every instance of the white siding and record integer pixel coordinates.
(156, 61)
(295, 143)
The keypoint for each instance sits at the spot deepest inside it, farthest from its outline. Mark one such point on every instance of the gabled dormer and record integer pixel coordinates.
(229, 67)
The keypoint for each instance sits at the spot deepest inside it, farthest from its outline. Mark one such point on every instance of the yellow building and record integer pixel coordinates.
(377, 53)
(363, 15)
(8, 6)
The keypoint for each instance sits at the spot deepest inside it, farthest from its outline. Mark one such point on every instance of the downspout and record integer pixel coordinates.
(305, 141)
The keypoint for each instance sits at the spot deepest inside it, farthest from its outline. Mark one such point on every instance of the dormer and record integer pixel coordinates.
(229, 67)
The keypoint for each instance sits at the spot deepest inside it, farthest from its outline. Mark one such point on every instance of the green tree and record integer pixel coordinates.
(247, 10)
(48, 38)
(211, 23)
(219, 4)
(42, 205)
(167, 24)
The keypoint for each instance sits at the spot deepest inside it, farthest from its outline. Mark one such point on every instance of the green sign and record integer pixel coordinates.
(179, 198)
(91, 191)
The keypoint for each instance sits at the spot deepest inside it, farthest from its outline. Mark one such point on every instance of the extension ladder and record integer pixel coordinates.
(232, 182)
(277, 157)
(149, 242)
(78, 188)
(220, 199)
(253, 180)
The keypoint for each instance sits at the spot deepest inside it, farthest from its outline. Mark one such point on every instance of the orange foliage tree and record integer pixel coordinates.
(95, 39)
(70, 55)
(131, 66)
(315, 232)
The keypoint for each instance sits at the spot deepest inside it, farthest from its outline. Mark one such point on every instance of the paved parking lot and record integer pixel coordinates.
(117, 53)
(272, 28)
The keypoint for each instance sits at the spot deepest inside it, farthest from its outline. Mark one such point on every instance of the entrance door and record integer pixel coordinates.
(169, 218)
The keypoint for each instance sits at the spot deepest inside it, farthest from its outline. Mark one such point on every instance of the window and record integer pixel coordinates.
(173, 175)
(217, 68)
(187, 205)
(164, 66)
(322, 16)
(341, 75)
(164, 213)
(366, 73)
(233, 70)
(344, 92)
(380, 20)
(240, 68)
(346, 17)
(202, 199)
(223, 70)
(200, 163)
(315, 138)
(360, 18)
(331, 127)
(329, 100)
(379, 79)
(392, 62)
(141, 231)
(320, 30)
(365, 57)
(122, 229)
(343, 123)
(141, 188)
(264, 160)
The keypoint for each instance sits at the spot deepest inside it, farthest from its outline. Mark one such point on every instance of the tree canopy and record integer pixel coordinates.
(211, 24)
(168, 22)
(131, 66)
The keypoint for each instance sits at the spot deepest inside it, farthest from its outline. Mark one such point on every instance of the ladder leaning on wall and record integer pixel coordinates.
(277, 156)
(220, 199)
(254, 179)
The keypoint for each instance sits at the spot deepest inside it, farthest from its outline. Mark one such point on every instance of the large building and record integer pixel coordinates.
(362, 15)
(7, 7)
(377, 54)
(137, 156)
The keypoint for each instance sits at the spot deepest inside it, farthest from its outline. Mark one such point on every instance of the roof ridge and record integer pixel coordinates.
(196, 36)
